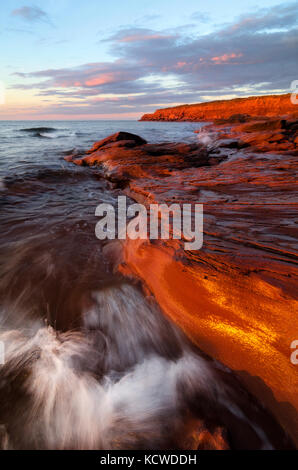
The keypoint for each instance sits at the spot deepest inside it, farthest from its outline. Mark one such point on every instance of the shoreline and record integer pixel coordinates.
(235, 298)
(253, 106)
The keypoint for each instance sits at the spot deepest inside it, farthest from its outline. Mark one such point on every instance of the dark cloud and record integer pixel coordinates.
(279, 17)
(254, 55)
(31, 14)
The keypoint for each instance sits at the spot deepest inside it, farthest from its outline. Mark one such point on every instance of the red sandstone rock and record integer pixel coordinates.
(270, 135)
(129, 139)
(200, 438)
(122, 163)
(272, 105)
(236, 298)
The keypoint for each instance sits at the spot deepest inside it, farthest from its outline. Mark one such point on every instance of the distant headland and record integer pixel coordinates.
(270, 105)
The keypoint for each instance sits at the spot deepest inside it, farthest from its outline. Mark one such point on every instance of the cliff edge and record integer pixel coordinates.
(271, 105)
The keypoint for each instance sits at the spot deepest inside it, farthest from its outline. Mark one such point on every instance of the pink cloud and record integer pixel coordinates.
(222, 59)
(101, 79)
(180, 65)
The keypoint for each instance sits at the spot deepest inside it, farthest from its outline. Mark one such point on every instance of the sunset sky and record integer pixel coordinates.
(93, 59)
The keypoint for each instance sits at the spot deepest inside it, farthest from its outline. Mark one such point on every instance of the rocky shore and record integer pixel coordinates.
(236, 298)
(272, 105)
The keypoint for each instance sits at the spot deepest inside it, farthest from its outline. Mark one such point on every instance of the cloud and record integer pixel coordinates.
(200, 16)
(137, 35)
(256, 54)
(19, 30)
(31, 14)
(226, 58)
(145, 19)
(100, 76)
(266, 19)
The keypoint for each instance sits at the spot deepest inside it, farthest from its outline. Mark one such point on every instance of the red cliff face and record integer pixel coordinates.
(272, 105)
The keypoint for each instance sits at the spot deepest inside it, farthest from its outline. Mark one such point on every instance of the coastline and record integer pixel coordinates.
(268, 106)
(235, 298)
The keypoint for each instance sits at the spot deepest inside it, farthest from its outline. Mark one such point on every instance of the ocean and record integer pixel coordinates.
(25, 145)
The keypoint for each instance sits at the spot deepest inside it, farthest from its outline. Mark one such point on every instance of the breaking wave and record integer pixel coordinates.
(50, 132)
(126, 379)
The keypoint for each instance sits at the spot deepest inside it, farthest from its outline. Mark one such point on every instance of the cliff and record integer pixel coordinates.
(271, 105)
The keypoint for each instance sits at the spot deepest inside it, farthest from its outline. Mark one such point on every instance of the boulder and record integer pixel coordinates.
(134, 140)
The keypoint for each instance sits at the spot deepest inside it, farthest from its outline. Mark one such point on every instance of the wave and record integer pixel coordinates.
(121, 381)
(2, 184)
(42, 132)
(48, 175)
(52, 132)
(39, 129)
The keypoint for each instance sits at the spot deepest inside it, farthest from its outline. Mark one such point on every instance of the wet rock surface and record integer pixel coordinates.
(275, 135)
(236, 298)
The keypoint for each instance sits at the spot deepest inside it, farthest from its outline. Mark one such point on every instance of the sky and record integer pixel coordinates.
(116, 59)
